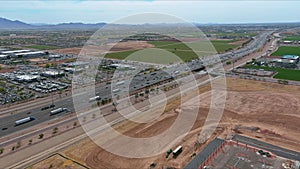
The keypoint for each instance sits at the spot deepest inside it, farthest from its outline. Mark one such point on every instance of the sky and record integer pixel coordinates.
(52, 12)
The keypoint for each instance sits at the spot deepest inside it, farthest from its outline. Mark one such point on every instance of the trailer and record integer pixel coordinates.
(120, 83)
(24, 120)
(116, 90)
(94, 98)
(56, 111)
(177, 151)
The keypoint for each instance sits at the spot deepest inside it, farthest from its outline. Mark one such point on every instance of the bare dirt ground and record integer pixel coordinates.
(265, 111)
(18, 36)
(240, 42)
(57, 161)
(5, 68)
(38, 60)
(130, 45)
(111, 47)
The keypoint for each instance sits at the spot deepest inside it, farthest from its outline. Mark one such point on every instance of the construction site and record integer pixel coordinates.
(245, 113)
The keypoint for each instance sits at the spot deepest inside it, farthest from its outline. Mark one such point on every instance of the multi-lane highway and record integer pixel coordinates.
(140, 81)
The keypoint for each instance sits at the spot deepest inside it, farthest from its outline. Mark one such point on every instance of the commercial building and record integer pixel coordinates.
(30, 54)
(75, 64)
(23, 53)
(3, 57)
(291, 57)
(27, 78)
(11, 52)
(53, 73)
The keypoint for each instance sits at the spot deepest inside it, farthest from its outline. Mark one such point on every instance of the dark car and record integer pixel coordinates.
(45, 108)
(268, 154)
(52, 105)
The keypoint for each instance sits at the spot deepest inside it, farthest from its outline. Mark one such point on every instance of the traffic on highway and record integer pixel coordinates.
(64, 106)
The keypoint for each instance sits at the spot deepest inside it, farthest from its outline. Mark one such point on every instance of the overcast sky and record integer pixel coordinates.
(48, 11)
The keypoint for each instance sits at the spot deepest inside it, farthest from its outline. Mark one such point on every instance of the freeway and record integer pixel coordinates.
(139, 82)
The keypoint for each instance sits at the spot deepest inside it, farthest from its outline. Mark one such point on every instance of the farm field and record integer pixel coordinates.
(183, 51)
(293, 38)
(287, 50)
(287, 74)
(235, 34)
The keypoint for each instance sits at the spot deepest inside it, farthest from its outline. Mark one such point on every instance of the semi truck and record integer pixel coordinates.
(94, 98)
(116, 90)
(56, 111)
(24, 120)
(120, 83)
(177, 151)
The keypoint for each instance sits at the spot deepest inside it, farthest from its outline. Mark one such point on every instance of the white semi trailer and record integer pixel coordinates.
(56, 111)
(24, 120)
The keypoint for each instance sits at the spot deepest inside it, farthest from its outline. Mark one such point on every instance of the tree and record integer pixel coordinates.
(47, 65)
(228, 62)
(147, 92)
(55, 130)
(41, 136)
(18, 144)
(1, 150)
(115, 106)
(75, 124)
(29, 141)
(136, 97)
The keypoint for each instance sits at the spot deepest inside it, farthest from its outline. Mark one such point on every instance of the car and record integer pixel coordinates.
(260, 152)
(268, 154)
(45, 108)
(52, 105)
(4, 128)
(28, 113)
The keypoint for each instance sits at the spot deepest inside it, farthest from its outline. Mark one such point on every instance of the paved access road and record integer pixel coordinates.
(282, 152)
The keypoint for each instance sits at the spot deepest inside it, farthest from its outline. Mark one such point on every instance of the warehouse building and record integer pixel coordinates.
(23, 53)
(30, 54)
(4, 57)
(53, 73)
(27, 78)
(12, 52)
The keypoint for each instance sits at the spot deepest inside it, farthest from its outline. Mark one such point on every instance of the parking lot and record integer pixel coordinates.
(239, 157)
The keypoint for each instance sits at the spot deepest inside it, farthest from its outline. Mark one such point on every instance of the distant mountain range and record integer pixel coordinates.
(6, 24)
(9, 24)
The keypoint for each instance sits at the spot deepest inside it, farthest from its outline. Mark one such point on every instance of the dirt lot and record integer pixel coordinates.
(112, 47)
(57, 161)
(265, 111)
(5, 68)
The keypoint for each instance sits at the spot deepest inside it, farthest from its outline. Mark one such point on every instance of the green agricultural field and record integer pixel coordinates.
(119, 55)
(203, 46)
(182, 50)
(232, 34)
(287, 74)
(287, 50)
(293, 38)
(43, 47)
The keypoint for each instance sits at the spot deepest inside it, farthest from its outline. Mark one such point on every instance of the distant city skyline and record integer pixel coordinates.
(53, 12)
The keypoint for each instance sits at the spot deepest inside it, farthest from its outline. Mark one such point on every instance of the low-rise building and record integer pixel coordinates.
(53, 73)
